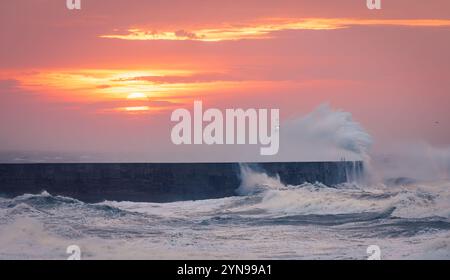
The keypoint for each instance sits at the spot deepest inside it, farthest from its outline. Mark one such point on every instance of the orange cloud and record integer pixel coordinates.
(128, 91)
(94, 84)
(265, 29)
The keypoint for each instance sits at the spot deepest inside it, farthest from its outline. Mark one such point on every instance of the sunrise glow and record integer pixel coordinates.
(137, 95)
(265, 29)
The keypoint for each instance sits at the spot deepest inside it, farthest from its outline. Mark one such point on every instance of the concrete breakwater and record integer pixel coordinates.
(158, 182)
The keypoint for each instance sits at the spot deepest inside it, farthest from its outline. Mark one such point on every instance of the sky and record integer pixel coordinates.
(100, 83)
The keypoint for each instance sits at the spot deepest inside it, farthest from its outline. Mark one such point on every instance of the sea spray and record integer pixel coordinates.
(253, 182)
(413, 161)
(328, 134)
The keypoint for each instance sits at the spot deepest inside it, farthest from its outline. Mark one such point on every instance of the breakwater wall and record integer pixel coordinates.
(158, 182)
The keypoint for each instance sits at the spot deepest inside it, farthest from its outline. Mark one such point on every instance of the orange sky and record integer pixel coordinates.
(105, 79)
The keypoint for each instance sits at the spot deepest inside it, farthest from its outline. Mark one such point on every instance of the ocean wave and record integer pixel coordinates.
(410, 201)
(266, 220)
(45, 203)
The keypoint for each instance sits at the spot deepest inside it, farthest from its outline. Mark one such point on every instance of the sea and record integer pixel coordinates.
(264, 220)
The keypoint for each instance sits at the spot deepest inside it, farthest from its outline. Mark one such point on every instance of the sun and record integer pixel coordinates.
(137, 95)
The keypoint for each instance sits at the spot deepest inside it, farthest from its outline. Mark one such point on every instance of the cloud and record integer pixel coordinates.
(193, 78)
(185, 34)
(116, 103)
(265, 29)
